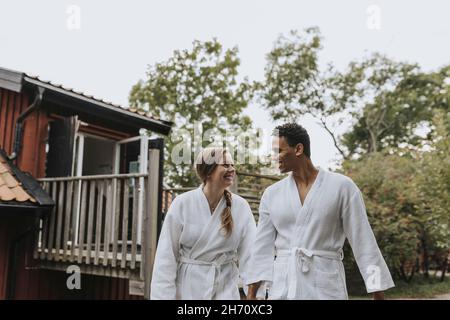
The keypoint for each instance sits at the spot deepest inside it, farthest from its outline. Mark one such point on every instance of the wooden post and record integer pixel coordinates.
(82, 220)
(57, 255)
(52, 224)
(150, 223)
(108, 217)
(134, 223)
(126, 200)
(67, 219)
(91, 215)
(116, 222)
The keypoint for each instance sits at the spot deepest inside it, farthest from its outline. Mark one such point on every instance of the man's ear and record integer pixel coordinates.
(299, 149)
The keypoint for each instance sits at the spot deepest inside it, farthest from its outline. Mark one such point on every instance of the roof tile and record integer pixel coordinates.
(6, 194)
(3, 167)
(9, 179)
(10, 188)
(20, 194)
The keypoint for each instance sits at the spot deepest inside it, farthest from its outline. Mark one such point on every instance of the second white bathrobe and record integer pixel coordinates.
(194, 259)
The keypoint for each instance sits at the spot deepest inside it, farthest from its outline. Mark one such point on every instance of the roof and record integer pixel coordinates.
(18, 188)
(15, 81)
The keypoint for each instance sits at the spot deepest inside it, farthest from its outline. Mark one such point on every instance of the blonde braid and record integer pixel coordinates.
(226, 217)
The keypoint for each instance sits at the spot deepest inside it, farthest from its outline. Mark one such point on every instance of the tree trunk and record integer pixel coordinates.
(444, 266)
(372, 142)
(425, 262)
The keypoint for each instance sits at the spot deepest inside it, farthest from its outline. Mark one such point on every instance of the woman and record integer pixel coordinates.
(206, 232)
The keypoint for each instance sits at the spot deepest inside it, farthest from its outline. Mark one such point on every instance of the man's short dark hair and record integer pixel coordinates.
(294, 134)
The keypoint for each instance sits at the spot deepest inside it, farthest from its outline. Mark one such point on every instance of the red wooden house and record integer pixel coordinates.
(104, 175)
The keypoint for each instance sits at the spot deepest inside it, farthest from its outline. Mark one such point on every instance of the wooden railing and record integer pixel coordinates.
(106, 224)
(250, 186)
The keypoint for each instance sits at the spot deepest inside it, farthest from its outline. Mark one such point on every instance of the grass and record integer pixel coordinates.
(418, 288)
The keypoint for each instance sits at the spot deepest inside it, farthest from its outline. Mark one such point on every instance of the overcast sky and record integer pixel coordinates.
(116, 40)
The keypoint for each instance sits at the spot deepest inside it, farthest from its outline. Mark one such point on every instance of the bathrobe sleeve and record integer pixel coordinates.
(163, 286)
(368, 256)
(263, 249)
(246, 246)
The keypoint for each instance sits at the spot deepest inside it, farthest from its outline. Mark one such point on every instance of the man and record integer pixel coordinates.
(304, 220)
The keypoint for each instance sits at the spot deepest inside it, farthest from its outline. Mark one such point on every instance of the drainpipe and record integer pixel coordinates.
(18, 133)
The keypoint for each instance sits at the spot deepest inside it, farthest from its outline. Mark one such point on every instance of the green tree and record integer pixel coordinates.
(408, 200)
(294, 85)
(432, 182)
(386, 184)
(393, 118)
(196, 86)
(383, 100)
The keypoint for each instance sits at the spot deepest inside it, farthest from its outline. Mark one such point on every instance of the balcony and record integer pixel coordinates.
(105, 224)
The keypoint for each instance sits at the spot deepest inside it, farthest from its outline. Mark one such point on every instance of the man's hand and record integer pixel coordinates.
(252, 290)
(379, 295)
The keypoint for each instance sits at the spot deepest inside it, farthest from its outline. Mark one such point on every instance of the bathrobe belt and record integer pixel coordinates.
(214, 271)
(299, 259)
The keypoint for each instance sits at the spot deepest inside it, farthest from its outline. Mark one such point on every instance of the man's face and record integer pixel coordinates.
(284, 154)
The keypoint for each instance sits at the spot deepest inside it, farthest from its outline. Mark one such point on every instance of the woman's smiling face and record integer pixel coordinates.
(223, 175)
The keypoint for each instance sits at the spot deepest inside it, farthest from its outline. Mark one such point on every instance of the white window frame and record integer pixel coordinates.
(143, 168)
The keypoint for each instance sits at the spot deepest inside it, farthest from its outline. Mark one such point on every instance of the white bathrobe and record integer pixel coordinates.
(194, 260)
(307, 240)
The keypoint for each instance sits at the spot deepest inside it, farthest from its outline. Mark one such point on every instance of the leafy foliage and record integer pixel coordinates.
(197, 86)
